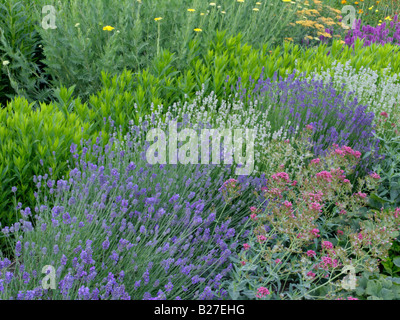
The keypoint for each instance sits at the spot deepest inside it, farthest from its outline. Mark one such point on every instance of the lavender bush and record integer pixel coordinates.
(120, 228)
(334, 116)
(379, 93)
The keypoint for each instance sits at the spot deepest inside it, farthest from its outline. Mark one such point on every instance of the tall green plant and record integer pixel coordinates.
(21, 70)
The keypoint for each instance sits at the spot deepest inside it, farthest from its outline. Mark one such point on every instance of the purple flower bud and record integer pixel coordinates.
(106, 244)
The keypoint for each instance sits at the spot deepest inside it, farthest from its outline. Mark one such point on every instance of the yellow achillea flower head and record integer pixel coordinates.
(324, 34)
(258, 3)
(212, 3)
(202, 13)
(197, 30)
(191, 10)
(108, 28)
(240, 0)
(370, 8)
(286, 0)
(360, 11)
(157, 19)
(388, 18)
(256, 9)
(223, 12)
(306, 23)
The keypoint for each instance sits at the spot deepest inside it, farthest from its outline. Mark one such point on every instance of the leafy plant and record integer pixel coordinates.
(21, 54)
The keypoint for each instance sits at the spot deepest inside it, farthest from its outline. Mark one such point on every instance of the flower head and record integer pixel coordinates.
(108, 28)
(262, 292)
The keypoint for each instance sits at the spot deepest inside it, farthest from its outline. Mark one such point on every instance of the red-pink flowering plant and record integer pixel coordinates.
(295, 249)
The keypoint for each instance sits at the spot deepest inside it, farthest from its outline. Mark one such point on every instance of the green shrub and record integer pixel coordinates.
(20, 47)
(228, 59)
(79, 48)
(28, 139)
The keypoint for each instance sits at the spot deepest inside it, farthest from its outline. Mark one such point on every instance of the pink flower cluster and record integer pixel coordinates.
(361, 194)
(315, 206)
(311, 253)
(253, 217)
(325, 175)
(339, 173)
(262, 292)
(315, 161)
(348, 298)
(375, 176)
(230, 183)
(345, 150)
(327, 262)
(315, 232)
(288, 204)
(316, 197)
(327, 245)
(261, 238)
(281, 175)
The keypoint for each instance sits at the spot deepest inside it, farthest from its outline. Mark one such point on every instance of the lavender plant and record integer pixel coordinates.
(121, 228)
(277, 110)
(334, 116)
(379, 93)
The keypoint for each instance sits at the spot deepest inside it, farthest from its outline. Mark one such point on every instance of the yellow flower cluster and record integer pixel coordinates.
(327, 21)
(316, 18)
(306, 23)
(308, 12)
(108, 28)
(325, 34)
